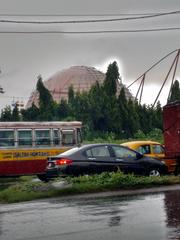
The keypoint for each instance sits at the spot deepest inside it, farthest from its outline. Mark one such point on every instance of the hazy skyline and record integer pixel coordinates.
(25, 56)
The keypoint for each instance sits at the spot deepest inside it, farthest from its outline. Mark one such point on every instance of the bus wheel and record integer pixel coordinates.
(43, 177)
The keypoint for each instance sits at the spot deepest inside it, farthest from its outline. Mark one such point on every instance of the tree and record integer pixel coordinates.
(112, 76)
(15, 113)
(62, 109)
(97, 108)
(6, 114)
(46, 102)
(30, 114)
(71, 101)
(175, 92)
(71, 95)
(158, 116)
(122, 120)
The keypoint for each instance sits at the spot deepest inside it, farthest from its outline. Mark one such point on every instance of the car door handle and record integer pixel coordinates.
(91, 158)
(119, 160)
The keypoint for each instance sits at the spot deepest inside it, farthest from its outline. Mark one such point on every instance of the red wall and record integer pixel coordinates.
(171, 125)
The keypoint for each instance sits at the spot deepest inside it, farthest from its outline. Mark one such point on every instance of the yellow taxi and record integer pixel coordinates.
(148, 148)
(152, 149)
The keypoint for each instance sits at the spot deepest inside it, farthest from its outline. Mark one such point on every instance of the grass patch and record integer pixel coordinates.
(25, 189)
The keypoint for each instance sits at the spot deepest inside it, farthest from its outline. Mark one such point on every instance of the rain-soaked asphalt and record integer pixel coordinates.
(151, 216)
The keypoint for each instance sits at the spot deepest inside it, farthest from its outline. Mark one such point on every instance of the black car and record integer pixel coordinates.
(98, 158)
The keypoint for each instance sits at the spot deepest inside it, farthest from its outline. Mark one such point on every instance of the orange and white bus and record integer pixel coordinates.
(25, 146)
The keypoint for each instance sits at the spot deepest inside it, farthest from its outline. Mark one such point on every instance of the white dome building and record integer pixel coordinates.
(80, 77)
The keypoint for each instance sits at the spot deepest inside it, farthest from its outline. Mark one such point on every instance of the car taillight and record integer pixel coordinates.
(63, 161)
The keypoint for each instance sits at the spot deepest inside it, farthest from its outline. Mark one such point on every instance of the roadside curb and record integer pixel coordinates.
(105, 194)
(128, 192)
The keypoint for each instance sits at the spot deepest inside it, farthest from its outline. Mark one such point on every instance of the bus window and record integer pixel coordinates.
(24, 137)
(68, 137)
(56, 137)
(42, 137)
(6, 138)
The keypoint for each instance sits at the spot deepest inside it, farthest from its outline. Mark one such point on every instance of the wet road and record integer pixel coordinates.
(147, 217)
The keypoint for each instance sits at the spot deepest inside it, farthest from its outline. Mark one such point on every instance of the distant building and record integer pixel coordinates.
(80, 77)
(18, 103)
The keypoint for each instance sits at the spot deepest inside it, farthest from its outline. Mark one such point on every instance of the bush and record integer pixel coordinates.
(28, 190)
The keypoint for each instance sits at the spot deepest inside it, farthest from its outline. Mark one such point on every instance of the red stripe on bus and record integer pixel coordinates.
(10, 168)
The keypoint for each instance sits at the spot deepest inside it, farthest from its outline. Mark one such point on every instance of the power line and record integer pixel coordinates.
(93, 32)
(89, 21)
(76, 15)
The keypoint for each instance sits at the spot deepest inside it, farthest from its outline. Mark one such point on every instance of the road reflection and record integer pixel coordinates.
(172, 208)
(150, 216)
(110, 211)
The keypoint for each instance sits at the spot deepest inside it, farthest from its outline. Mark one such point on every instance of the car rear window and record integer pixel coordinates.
(158, 149)
(70, 151)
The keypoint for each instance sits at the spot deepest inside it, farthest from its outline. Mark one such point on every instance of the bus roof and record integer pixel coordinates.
(46, 124)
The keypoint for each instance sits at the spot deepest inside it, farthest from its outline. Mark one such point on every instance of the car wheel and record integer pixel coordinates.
(43, 177)
(154, 173)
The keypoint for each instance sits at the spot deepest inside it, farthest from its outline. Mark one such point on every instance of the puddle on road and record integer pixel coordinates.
(152, 216)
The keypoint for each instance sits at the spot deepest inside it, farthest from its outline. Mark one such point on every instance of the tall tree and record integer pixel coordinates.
(112, 76)
(46, 102)
(97, 107)
(175, 92)
(158, 116)
(71, 94)
(15, 113)
(123, 115)
(62, 109)
(71, 101)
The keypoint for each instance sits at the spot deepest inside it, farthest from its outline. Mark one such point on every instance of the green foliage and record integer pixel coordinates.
(15, 114)
(119, 180)
(112, 76)
(62, 110)
(6, 114)
(31, 114)
(155, 135)
(46, 102)
(175, 92)
(26, 190)
(140, 135)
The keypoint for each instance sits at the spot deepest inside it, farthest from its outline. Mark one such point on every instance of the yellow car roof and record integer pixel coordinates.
(137, 143)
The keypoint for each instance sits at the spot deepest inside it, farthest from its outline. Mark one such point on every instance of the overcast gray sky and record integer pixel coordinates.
(24, 56)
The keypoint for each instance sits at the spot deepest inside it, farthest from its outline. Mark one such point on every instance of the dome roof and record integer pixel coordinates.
(80, 77)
